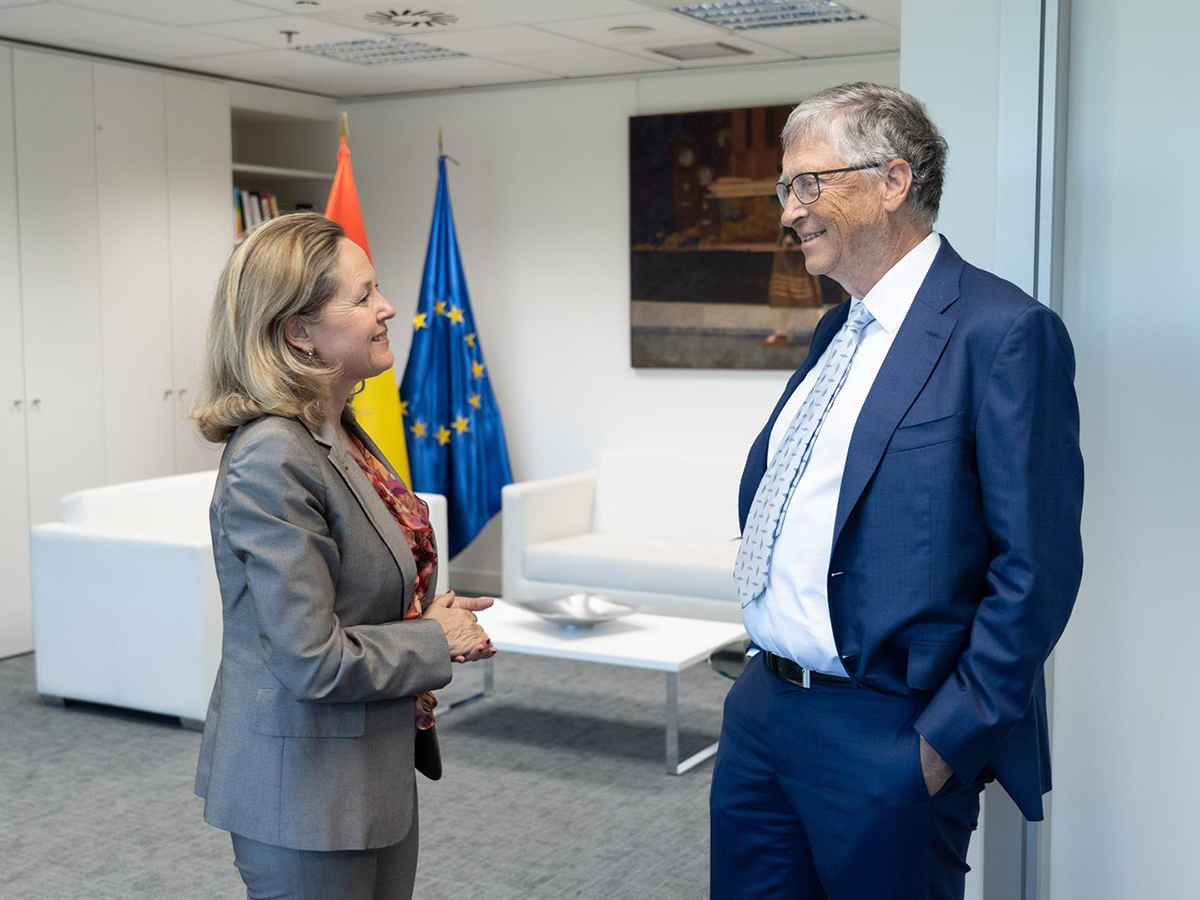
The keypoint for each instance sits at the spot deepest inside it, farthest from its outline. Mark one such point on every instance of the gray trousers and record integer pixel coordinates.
(280, 873)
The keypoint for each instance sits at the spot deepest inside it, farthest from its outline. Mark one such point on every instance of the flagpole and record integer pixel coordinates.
(442, 149)
(345, 129)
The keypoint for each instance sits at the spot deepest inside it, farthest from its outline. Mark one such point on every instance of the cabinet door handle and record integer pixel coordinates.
(17, 405)
(167, 394)
(36, 403)
(182, 393)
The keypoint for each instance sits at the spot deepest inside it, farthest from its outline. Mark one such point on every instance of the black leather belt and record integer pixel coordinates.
(792, 671)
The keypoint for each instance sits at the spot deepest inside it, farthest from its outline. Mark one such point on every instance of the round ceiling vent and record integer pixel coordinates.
(411, 18)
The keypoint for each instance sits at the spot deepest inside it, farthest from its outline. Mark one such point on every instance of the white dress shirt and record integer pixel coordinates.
(791, 618)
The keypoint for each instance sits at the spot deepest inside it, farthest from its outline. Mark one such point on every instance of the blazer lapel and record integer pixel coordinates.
(909, 363)
(364, 492)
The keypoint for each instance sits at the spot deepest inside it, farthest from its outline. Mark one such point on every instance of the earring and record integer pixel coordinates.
(310, 356)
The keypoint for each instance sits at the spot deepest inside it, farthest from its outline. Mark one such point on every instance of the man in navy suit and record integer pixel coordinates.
(910, 550)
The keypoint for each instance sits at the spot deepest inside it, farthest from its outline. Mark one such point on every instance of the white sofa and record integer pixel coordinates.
(656, 530)
(126, 607)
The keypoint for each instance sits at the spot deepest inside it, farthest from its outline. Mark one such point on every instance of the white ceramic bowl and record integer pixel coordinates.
(579, 610)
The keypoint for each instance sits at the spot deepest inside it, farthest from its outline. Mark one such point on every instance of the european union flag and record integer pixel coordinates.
(455, 437)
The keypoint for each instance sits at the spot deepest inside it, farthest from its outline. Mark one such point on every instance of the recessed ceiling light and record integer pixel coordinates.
(386, 51)
(711, 50)
(746, 15)
(630, 29)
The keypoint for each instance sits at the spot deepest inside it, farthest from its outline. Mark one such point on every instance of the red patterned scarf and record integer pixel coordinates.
(412, 515)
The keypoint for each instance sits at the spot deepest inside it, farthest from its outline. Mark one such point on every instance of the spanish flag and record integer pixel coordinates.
(378, 406)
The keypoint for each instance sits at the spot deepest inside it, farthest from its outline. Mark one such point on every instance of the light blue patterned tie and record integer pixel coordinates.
(770, 503)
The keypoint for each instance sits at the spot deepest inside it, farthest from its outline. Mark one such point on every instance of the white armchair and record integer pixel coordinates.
(126, 606)
(655, 530)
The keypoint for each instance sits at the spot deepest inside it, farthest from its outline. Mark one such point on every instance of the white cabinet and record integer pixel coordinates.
(16, 634)
(60, 277)
(202, 228)
(135, 272)
(116, 217)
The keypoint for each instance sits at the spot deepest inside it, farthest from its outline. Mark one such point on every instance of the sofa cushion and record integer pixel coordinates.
(673, 497)
(689, 568)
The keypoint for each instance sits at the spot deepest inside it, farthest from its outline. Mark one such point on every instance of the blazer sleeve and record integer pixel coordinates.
(1031, 476)
(273, 517)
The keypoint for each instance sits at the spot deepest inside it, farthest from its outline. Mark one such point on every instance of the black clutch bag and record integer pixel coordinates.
(427, 756)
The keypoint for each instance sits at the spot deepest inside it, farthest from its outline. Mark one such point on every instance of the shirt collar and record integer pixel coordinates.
(894, 293)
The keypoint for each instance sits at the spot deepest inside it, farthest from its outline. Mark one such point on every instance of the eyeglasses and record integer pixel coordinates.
(807, 185)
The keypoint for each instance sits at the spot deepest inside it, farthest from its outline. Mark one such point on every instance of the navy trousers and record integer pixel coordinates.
(818, 793)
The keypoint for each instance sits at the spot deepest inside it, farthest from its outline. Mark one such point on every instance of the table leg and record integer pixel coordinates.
(672, 723)
(674, 766)
(489, 686)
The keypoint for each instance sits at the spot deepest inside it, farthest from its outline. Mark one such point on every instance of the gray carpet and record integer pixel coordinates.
(554, 788)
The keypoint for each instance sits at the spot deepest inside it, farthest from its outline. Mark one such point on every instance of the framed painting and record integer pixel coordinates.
(715, 281)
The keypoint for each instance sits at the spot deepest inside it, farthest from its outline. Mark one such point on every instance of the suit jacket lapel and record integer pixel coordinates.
(909, 363)
(376, 511)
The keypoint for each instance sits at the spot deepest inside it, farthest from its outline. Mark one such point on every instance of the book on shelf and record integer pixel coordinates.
(252, 208)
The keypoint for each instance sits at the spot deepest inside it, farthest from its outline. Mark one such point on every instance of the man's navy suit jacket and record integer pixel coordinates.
(956, 546)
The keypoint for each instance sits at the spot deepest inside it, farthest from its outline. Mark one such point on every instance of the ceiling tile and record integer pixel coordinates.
(368, 80)
(760, 53)
(887, 11)
(176, 12)
(285, 67)
(325, 6)
(667, 27)
(69, 26)
(585, 61)
(504, 40)
(269, 32)
(470, 72)
(833, 39)
(472, 14)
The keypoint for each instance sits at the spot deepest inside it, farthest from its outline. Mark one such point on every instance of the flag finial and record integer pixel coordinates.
(345, 129)
(441, 150)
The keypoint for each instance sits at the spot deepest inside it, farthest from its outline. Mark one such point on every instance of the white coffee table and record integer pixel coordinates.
(661, 643)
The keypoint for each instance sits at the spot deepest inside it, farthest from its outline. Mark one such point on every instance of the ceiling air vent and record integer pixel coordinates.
(410, 18)
(746, 15)
(711, 50)
(386, 51)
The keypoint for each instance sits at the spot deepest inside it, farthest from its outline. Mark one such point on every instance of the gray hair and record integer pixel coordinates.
(867, 123)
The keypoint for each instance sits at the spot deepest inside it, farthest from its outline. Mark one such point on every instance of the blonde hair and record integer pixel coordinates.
(285, 267)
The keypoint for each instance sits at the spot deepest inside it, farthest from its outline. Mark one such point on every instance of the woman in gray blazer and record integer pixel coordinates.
(326, 565)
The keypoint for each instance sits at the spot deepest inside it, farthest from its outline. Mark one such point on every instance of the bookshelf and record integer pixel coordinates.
(289, 157)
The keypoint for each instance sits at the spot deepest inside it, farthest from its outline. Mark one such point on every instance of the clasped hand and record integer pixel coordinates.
(468, 641)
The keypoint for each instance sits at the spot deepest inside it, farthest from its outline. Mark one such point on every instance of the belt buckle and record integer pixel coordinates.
(805, 678)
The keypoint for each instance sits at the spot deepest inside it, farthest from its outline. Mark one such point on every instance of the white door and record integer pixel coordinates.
(135, 272)
(60, 277)
(16, 635)
(199, 162)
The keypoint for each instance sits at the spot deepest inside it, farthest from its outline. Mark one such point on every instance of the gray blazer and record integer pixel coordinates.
(309, 737)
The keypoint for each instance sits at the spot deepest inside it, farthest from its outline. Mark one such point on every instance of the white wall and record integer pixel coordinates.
(541, 202)
(975, 66)
(1126, 730)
